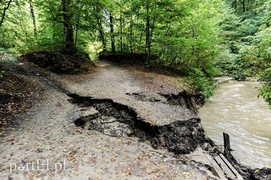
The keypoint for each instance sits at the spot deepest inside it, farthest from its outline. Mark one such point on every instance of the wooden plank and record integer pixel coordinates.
(239, 177)
(227, 146)
(224, 167)
(217, 169)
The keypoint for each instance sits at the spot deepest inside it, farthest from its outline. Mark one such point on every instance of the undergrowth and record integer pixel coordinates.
(201, 83)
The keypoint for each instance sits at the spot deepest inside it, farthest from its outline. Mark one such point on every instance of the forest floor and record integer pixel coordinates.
(44, 143)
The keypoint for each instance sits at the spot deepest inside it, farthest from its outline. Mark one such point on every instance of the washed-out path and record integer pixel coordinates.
(48, 145)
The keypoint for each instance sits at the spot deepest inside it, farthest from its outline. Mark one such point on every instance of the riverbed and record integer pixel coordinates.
(235, 109)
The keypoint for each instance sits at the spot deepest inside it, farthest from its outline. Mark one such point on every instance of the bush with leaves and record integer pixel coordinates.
(202, 84)
(266, 93)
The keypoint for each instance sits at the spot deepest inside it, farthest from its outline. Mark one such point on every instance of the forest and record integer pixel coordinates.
(115, 88)
(201, 38)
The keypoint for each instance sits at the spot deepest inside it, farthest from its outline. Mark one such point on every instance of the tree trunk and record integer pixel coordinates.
(4, 12)
(131, 36)
(77, 26)
(68, 28)
(33, 18)
(121, 35)
(140, 39)
(243, 2)
(113, 49)
(148, 45)
(100, 26)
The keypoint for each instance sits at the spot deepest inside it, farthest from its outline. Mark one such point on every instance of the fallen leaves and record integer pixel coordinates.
(15, 97)
(113, 159)
(152, 121)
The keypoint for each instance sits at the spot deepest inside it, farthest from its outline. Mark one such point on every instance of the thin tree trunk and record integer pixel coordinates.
(33, 18)
(152, 29)
(77, 27)
(21, 22)
(76, 32)
(164, 46)
(4, 12)
(243, 2)
(68, 28)
(148, 47)
(140, 38)
(100, 26)
(131, 35)
(121, 35)
(113, 48)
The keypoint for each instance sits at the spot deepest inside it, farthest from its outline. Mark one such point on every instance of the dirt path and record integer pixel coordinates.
(48, 145)
(119, 84)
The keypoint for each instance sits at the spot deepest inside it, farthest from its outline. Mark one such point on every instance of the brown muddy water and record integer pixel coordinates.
(236, 110)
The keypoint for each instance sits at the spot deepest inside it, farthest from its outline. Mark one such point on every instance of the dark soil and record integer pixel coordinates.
(139, 60)
(16, 96)
(118, 120)
(17, 92)
(60, 63)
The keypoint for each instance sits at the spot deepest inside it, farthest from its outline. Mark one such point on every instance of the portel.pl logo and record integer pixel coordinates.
(38, 165)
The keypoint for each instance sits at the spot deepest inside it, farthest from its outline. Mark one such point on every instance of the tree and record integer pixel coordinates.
(68, 26)
(33, 18)
(4, 12)
(148, 35)
(113, 48)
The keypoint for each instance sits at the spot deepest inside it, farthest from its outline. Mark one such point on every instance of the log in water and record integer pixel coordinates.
(236, 110)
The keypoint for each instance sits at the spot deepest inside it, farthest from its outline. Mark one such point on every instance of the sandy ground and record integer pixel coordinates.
(47, 144)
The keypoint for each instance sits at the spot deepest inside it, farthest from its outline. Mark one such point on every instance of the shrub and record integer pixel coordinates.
(201, 84)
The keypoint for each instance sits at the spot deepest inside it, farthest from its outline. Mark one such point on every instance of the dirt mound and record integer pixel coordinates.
(16, 96)
(60, 63)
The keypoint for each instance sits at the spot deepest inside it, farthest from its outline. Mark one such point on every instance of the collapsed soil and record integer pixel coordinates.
(48, 134)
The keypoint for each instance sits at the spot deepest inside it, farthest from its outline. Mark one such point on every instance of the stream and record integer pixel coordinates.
(235, 109)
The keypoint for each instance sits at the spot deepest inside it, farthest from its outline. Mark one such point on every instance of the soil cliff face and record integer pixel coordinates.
(118, 120)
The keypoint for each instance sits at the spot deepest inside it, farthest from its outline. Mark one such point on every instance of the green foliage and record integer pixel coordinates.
(266, 93)
(239, 76)
(202, 37)
(266, 88)
(203, 85)
(241, 55)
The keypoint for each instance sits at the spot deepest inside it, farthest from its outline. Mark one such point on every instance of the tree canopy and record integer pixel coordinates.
(198, 36)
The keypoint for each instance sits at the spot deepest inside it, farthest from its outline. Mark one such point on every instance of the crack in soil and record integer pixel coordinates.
(119, 120)
(183, 99)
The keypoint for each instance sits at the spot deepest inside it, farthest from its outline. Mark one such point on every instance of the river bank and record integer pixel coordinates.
(48, 131)
(101, 150)
(237, 110)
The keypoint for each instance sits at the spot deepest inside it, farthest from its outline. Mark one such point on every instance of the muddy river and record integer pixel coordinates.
(236, 110)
